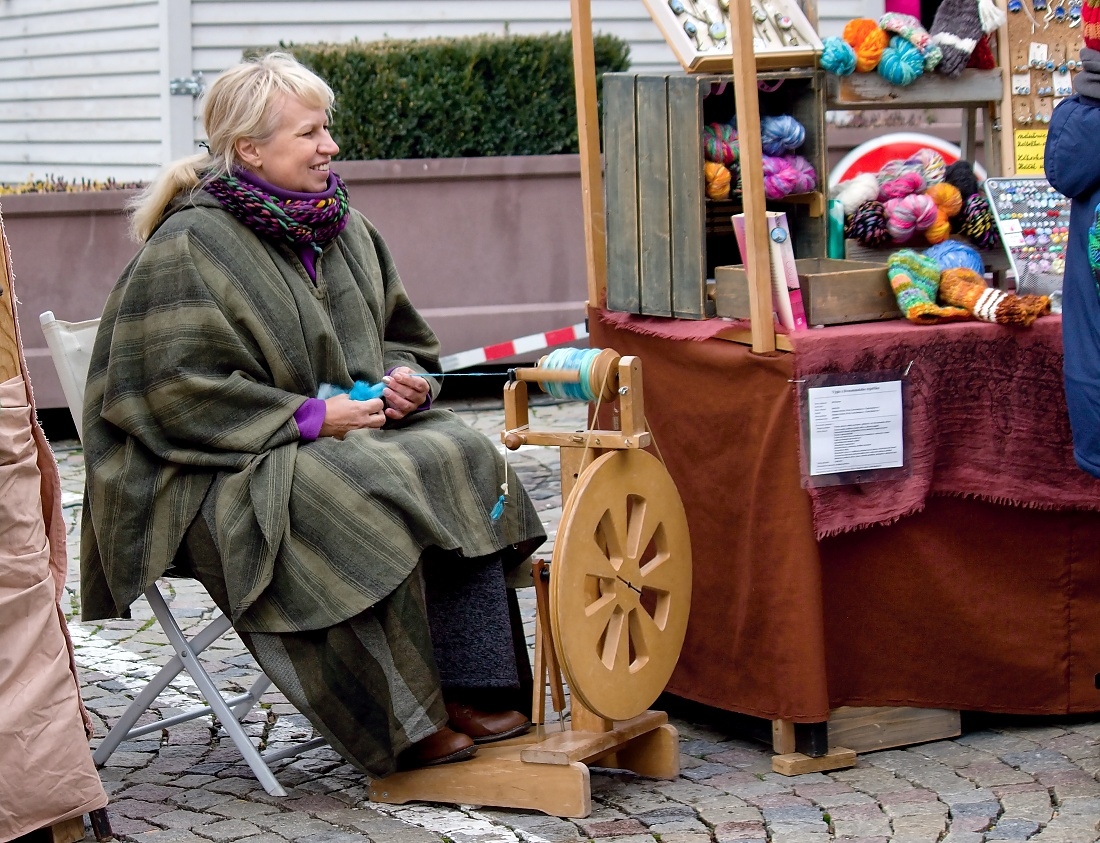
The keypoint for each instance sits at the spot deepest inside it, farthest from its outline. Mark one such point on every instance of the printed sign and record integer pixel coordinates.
(1030, 144)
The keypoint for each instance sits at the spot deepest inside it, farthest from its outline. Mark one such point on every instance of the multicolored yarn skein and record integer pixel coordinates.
(837, 56)
(901, 63)
(905, 184)
(978, 224)
(787, 174)
(720, 143)
(915, 279)
(867, 40)
(966, 289)
(931, 164)
(909, 214)
(781, 134)
(909, 28)
(868, 225)
(948, 204)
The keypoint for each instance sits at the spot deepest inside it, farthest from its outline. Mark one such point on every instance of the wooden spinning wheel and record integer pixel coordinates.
(621, 585)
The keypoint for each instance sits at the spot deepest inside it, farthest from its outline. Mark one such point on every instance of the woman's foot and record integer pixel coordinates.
(486, 726)
(440, 747)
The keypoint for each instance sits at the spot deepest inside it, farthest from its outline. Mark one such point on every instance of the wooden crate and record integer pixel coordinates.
(834, 292)
(664, 239)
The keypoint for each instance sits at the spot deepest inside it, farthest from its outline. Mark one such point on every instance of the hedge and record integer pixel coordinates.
(454, 98)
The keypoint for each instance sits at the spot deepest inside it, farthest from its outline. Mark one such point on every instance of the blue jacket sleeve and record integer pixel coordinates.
(1071, 164)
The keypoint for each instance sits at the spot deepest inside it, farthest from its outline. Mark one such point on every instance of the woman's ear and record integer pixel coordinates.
(248, 153)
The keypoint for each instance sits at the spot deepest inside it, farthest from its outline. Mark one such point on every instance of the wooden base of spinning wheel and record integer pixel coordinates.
(611, 616)
(545, 770)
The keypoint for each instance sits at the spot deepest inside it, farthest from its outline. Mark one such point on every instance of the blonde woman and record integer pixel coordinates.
(352, 542)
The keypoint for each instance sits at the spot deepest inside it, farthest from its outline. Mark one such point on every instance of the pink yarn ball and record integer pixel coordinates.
(908, 214)
(904, 185)
(787, 174)
(805, 177)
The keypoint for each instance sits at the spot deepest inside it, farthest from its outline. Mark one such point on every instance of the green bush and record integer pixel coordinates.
(454, 98)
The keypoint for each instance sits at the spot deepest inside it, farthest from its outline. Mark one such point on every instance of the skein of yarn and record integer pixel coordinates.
(901, 63)
(718, 179)
(867, 40)
(781, 134)
(909, 214)
(953, 254)
(786, 174)
(931, 163)
(978, 223)
(961, 174)
(904, 185)
(856, 191)
(868, 225)
(898, 167)
(948, 204)
(837, 56)
(720, 143)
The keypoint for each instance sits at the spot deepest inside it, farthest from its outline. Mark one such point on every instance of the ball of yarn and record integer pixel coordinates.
(978, 224)
(786, 174)
(868, 42)
(901, 63)
(904, 185)
(947, 198)
(868, 225)
(953, 254)
(718, 179)
(781, 134)
(909, 214)
(720, 143)
(837, 56)
(961, 174)
(931, 164)
(855, 191)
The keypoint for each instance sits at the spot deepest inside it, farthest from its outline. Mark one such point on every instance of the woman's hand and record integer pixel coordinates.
(343, 415)
(405, 391)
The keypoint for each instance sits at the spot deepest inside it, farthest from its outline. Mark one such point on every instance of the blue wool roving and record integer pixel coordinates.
(837, 56)
(780, 135)
(901, 63)
(360, 391)
(954, 254)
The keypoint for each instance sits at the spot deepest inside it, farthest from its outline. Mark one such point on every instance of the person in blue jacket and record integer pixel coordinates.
(1072, 163)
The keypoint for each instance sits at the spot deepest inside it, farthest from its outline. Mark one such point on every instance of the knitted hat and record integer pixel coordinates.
(965, 288)
(1090, 22)
(909, 28)
(958, 27)
(914, 279)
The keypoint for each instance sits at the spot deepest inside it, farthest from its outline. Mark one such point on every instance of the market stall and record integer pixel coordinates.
(888, 593)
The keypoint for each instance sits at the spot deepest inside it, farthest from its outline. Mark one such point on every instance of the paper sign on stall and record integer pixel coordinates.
(855, 427)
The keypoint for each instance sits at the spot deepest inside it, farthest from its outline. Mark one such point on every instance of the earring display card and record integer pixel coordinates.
(698, 33)
(1033, 220)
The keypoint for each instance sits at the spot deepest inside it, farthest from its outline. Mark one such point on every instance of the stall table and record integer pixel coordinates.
(969, 584)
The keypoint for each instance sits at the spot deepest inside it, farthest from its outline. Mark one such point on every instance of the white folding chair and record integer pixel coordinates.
(70, 345)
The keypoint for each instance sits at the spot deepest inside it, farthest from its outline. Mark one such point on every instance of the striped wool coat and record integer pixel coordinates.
(209, 342)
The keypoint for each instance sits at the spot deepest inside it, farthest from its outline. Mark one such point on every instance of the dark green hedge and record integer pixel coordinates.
(453, 98)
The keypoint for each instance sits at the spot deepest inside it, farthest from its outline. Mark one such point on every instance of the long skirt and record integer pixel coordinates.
(374, 685)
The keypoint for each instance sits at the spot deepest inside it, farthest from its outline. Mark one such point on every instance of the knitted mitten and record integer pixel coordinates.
(965, 288)
(958, 27)
(914, 279)
(909, 28)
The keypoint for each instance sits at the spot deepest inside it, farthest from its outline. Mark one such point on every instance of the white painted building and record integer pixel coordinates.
(85, 85)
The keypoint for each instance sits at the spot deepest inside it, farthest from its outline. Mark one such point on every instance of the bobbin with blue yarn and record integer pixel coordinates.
(576, 374)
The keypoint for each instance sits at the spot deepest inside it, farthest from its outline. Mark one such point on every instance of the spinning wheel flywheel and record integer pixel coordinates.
(620, 588)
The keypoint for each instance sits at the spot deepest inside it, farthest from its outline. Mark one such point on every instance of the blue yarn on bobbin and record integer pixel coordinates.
(781, 134)
(901, 63)
(837, 56)
(952, 254)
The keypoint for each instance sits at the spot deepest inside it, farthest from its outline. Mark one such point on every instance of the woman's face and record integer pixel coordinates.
(297, 155)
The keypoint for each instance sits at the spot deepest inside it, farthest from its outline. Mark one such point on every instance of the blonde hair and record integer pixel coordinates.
(239, 104)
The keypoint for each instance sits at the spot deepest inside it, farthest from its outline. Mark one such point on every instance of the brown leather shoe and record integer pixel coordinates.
(486, 726)
(440, 747)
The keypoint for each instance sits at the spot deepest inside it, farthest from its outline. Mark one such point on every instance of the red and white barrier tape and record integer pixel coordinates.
(520, 345)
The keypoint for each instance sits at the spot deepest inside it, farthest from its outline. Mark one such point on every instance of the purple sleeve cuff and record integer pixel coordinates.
(310, 416)
(427, 405)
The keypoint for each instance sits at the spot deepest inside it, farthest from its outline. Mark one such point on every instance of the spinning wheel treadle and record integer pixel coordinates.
(620, 588)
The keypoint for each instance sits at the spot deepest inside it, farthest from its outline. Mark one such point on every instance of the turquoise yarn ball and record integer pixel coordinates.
(837, 56)
(901, 63)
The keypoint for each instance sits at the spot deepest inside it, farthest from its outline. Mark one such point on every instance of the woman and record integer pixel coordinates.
(353, 543)
(1073, 169)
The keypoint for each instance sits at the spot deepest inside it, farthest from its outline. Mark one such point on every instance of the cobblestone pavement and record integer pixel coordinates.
(1035, 780)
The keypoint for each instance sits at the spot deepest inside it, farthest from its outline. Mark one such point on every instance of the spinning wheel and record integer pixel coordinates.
(620, 591)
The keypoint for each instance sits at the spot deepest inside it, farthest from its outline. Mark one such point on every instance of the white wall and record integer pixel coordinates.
(83, 83)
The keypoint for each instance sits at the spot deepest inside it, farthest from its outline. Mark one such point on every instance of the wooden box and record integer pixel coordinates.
(663, 242)
(834, 292)
(774, 47)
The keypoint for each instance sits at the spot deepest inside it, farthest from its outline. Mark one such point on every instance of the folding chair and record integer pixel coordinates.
(70, 345)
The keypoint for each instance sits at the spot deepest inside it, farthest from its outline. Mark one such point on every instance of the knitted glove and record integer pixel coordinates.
(965, 288)
(914, 279)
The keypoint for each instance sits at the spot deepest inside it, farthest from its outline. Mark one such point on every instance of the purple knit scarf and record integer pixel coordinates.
(311, 221)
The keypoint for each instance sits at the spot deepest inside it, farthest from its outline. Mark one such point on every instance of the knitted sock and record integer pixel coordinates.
(909, 28)
(965, 288)
(959, 26)
(914, 279)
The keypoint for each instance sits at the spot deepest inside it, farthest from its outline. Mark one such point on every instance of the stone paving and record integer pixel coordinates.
(1020, 780)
